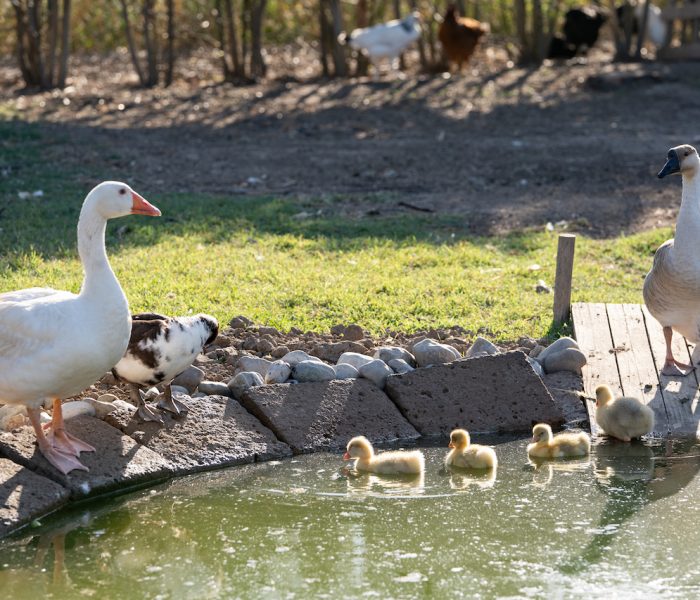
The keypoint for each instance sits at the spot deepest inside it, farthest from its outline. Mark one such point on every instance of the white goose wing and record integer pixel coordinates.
(30, 319)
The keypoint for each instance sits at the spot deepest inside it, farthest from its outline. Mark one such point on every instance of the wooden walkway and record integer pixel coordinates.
(625, 349)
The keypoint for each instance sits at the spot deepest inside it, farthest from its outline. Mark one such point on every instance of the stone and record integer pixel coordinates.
(109, 379)
(338, 330)
(189, 378)
(557, 346)
(325, 415)
(482, 347)
(399, 365)
(387, 353)
(542, 288)
(265, 346)
(567, 390)
(100, 407)
(331, 352)
(499, 393)
(124, 405)
(241, 382)
(178, 389)
(279, 352)
(254, 364)
(13, 416)
(430, 352)
(536, 367)
(75, 408)
(268, 331)
(250, 343)
(214, 388)
(309, 370)
(119, 461)
(526, 342)
(296, 356)
(345, 371)
(216, 432)
(569, 359)
(107, 398)
(536, 351)
(353, 333)
(240, 322)
(376, 371)
(278, 372)
(222, 341)
(25, 496)
(355, 359)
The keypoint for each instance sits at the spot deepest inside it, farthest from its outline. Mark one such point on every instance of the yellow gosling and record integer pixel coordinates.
(563, 445)
(467, 455)
(622, 418)
(387, 463)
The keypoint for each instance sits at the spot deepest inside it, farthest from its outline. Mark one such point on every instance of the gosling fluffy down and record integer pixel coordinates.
(622, 418)
(466, 455)
(397, 462)
(562, 445)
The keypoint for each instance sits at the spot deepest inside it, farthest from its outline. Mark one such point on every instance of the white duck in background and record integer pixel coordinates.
(160, 348)
(386, 40)
(672, 286)
(54, 344)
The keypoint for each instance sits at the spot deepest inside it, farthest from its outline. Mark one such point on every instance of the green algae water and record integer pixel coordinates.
(623, 524)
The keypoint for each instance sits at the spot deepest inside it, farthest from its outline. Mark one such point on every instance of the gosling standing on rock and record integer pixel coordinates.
(160, 348)
(399, 462)
(466, 455)
(562, 445)
(622, 418)
(672, 287)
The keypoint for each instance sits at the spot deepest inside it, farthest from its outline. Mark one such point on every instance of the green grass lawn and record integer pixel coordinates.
(252, 256)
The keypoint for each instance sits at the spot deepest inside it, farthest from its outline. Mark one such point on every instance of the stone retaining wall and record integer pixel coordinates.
(491, 393)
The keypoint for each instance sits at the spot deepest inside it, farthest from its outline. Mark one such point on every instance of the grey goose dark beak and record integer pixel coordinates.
(672, 165)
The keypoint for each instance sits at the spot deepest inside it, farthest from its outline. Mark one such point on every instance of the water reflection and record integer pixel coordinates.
(391, 485)
(632, 477)
(464, 479)
(543, 469)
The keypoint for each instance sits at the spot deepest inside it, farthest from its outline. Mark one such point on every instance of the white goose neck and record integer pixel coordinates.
(99, 277)
(687, 238)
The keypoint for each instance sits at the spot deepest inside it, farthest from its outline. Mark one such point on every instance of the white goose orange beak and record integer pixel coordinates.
(141, 206)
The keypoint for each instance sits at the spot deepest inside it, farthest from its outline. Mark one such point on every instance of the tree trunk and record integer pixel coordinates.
(52, 45)
(65, 44)
(149, 41)
(21, 33)
(641, 34)
(397, 15)
(131, 44)
(326, 33)
(218, 18)
(258, 68)
(232, 32)
(34, 46)
(341, 67)
(170, 48)
(521, 28)
(421, 43)
(538, 39)
(361, 20)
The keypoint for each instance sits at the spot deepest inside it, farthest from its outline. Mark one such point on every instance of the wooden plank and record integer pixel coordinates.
(562, 279)
(684, 52)
(592, 332)
(681, 394)
(638, 374)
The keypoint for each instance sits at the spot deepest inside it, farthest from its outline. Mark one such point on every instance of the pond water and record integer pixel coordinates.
(624, 524)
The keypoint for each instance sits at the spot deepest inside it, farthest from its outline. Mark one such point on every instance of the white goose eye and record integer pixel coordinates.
(123, 191)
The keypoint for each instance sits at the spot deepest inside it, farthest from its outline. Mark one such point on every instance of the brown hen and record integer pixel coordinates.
(459, 36)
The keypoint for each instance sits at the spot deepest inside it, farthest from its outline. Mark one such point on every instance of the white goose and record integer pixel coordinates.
(53, 344)
(672, 286)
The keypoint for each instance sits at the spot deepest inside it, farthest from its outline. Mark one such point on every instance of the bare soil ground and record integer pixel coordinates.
(498, 146)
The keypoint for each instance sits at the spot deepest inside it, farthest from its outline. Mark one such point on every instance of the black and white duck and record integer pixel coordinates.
(160, 348)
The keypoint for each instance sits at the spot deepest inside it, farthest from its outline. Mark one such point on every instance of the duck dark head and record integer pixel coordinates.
(212, 325)
(681, 159)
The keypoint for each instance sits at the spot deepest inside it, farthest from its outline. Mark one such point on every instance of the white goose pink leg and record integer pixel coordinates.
(673, 367)
(65, 463)
(60, 439)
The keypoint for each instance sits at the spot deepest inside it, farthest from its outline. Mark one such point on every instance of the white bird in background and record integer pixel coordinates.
(54, 344)
(386, 40)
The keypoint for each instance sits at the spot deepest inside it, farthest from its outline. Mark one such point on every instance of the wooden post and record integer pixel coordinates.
(562, 279)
